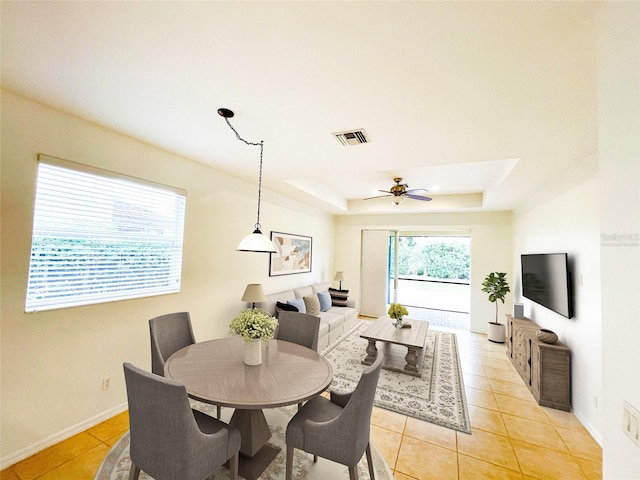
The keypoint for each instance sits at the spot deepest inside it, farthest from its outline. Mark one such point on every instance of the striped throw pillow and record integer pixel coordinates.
(338, 297)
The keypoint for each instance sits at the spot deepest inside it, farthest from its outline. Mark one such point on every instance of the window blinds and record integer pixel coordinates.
(99, 236)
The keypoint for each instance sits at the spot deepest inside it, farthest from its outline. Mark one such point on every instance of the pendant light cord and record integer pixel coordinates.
(261, 145)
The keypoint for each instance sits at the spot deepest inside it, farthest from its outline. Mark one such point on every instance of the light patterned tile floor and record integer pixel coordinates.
(512, 436)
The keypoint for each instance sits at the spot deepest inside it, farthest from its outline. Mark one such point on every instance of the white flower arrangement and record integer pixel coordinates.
(253, 323)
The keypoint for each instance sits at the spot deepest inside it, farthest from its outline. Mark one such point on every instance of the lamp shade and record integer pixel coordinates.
(253, 293)
(339, 277)
(256, 242)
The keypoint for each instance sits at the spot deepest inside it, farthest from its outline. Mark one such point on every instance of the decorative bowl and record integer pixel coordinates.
(547, 336)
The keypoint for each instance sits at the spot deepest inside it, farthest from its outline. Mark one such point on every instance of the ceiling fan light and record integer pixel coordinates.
(256, 242)
(397, 200)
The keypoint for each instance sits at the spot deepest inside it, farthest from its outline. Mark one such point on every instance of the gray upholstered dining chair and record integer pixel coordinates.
(170, 333)
(169, 440)
(299, 328)
(337, 428)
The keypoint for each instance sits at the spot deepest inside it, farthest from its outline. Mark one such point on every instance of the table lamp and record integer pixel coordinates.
(339, 278)
(253, 294)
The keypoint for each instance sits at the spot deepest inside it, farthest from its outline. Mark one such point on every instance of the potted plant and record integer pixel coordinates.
(496, 285)
(397, 311)
(255, 326)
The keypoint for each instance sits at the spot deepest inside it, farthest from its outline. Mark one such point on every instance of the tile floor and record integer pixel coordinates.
(512, 436)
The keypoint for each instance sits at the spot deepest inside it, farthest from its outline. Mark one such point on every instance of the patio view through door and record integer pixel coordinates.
(430, 271)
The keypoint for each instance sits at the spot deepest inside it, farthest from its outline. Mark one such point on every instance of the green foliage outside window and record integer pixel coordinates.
(440, 257)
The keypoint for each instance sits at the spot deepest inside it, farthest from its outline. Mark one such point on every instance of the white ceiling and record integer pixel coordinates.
(482, 103)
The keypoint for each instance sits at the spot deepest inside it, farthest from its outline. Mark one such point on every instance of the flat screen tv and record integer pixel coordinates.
(546, 281)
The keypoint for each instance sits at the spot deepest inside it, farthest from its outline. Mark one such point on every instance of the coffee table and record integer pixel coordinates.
(403, 348)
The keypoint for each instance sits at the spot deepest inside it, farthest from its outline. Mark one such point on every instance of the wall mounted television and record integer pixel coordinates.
(546, 280)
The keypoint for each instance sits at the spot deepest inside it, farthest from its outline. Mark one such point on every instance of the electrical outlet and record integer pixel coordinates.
(106, 383)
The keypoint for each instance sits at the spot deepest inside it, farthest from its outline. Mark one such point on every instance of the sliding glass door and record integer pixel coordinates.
(429, 271)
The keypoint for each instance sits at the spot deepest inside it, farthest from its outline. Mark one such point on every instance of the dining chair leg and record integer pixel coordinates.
(219, 411)
(134, 473)
(289, 465)
(233, 467)
(372, 473)
(315, 458)
(353, 472)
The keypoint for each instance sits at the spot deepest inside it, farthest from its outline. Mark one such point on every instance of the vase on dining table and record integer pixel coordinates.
(253, 351)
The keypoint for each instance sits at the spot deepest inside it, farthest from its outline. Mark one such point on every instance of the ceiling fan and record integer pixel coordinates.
(399, 192)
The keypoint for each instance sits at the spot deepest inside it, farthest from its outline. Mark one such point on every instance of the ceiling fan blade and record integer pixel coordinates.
(378, 196)
(386, 191)
(419, 197)
(417, 190)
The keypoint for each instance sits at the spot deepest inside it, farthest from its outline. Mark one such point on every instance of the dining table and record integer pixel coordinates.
(214, 372)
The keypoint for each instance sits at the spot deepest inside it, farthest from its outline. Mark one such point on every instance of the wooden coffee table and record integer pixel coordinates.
(403, 348)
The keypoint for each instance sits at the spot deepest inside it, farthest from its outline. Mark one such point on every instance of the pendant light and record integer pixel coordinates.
(255, 241)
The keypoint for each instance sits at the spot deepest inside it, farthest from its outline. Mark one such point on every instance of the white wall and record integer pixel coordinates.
(570, 222)
(490, 250)
(53, 362)
(619, 160)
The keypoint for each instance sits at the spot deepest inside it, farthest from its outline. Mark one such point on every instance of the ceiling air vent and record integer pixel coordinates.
(352, 137)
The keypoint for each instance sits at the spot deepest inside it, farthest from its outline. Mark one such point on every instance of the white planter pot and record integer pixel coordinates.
(253, 352)
(496, 332)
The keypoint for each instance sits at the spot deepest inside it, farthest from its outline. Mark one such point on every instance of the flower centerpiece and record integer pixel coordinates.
(255, 326)
(397, 311)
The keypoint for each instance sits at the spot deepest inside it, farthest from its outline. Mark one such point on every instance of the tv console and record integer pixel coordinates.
(544, 367)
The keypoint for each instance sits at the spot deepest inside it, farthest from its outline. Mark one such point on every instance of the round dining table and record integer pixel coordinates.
(214, 372)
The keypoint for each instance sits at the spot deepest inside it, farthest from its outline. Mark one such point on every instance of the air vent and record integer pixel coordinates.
(353, 137)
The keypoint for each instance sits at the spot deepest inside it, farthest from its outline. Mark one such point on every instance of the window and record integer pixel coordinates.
(99, 237)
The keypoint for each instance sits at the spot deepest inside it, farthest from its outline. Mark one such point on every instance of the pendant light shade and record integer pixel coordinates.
(255, 241)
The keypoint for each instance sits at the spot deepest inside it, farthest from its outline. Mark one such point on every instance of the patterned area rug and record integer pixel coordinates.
(438, 397)
(117, 463)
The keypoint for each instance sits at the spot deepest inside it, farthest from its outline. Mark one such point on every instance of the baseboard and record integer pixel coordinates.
(58, 437)
(597, 436)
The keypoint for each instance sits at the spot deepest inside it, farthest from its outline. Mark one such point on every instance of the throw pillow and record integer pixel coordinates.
(312, 303)
(285, 307)
(338, 297)
(325, 301)
(299, 304)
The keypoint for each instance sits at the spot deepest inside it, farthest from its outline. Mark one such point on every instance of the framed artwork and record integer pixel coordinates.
(293, 254)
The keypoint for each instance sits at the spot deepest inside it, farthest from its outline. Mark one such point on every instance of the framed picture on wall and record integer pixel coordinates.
(293, 254)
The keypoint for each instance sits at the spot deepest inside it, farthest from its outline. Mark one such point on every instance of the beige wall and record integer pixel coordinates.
(53, 362)
(490, 249)
(567, 220)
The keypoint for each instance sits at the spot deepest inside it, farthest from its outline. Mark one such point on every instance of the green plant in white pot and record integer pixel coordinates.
(496, 285)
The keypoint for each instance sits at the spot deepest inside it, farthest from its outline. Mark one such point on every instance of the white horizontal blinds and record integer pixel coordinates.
(99, 238)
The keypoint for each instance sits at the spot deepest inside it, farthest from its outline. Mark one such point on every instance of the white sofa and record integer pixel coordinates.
(333, 322)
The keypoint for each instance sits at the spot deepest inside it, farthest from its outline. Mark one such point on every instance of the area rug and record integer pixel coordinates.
(438, 397)
(117, 463)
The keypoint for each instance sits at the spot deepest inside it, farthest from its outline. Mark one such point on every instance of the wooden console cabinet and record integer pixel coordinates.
(545, 368)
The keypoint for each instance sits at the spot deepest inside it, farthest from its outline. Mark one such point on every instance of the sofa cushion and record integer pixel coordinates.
(303, 291)
(299, 303)
(269, 305)
(339, 297)
(325, 301)
(334, 320)
(312, 304)
(321, 287)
